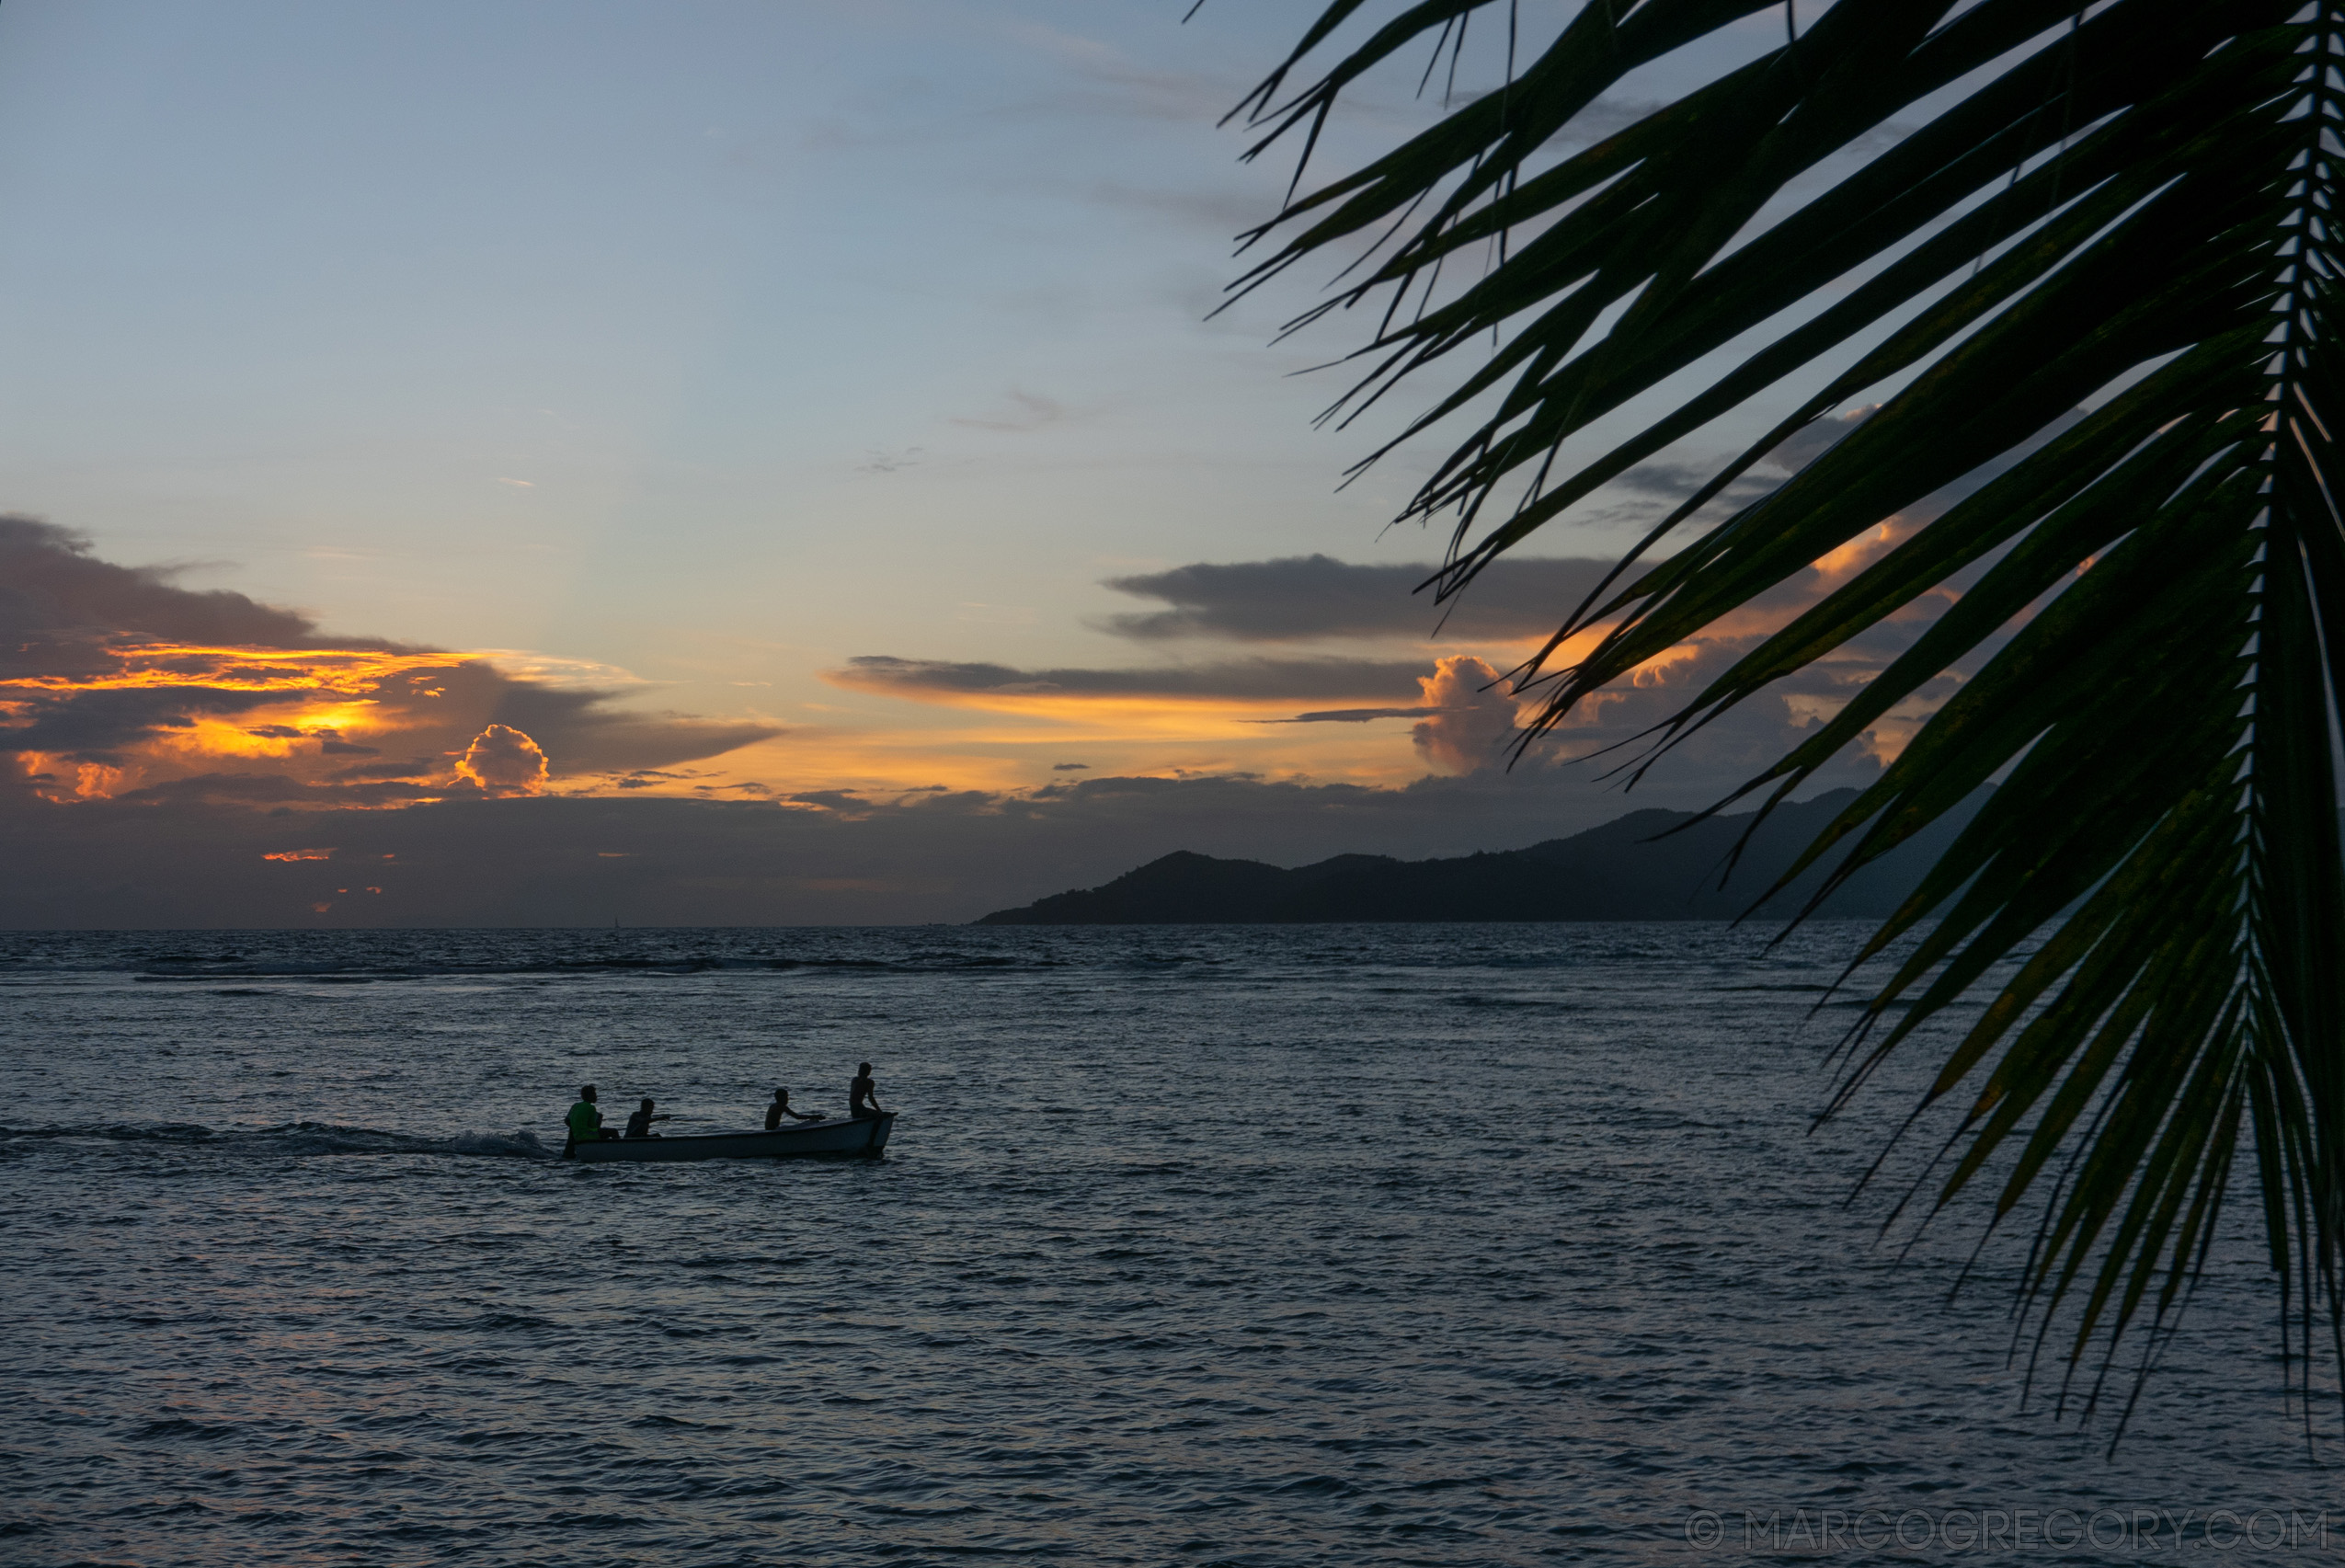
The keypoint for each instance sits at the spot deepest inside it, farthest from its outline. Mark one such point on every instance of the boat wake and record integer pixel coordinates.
(291, 1139)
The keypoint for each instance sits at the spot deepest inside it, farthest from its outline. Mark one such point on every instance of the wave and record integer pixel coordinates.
(215, 971)
(235, 965)
(294, 1138)
(188, 971)
(206, 971)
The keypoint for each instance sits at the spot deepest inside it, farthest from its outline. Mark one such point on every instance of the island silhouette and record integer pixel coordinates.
(1648, 865)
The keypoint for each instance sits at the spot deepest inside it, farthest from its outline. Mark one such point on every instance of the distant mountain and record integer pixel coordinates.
(1623, 870)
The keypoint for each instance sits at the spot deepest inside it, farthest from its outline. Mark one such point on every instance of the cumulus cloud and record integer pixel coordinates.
(1472, 717)
(502, 761)
(1301, 596)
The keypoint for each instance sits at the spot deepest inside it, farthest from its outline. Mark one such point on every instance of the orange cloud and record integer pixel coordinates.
(116, 683)
(1476, 716)
(293, 725)
(1655, 672)
(502, 761)
(62, 780)
(299, 854)
(347, 672)
(1846, 560)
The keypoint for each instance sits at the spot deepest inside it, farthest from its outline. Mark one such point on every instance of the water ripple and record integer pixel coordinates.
(1300, 1246)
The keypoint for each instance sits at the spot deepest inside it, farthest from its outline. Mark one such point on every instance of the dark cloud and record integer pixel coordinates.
(57, 599)
(1616, 728)
(268, 789)
(1301, 597)
(189, 855)
(1349, 715)
(830, 799)
(1646, 493)
(584, 736)
(1671, 483)
(1304, 597)
(422, 767)
(101, 662)
(100, 727)
(190, 851)
(1247, 678)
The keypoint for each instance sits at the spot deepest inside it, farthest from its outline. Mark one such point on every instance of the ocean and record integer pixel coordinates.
(1203, 1245)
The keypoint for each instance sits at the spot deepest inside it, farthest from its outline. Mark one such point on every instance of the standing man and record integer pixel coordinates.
(586, 1121)
(863, 1095)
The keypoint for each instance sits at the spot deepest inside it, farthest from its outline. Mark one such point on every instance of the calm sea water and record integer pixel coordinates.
(1292, 1246)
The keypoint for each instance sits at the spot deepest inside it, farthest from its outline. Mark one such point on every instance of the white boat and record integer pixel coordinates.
(839, 1137)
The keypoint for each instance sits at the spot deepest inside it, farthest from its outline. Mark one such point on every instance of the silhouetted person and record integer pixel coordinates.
(586, 1122)
(863, 1095)
(639, 1125)
(781, 1108)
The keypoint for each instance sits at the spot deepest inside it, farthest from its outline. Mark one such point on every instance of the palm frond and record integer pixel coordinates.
(2123, 208)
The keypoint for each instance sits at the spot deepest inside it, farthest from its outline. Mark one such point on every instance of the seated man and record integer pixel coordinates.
(863, 1095)
(639, 1125)
(585, 1121)
(781, 1108)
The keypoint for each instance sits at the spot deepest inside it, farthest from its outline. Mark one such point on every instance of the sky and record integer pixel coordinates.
(705, 462)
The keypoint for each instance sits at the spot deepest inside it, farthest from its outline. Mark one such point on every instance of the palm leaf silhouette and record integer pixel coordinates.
(2120, 209)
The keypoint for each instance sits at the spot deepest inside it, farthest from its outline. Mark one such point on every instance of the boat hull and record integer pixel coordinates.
(835, 1139)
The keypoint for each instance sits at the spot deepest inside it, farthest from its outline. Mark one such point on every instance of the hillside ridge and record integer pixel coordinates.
(1650, 864)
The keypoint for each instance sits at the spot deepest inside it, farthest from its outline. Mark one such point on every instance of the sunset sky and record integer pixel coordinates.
(470, 436)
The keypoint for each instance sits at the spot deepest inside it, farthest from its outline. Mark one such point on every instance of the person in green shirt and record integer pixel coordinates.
(586, 1122)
